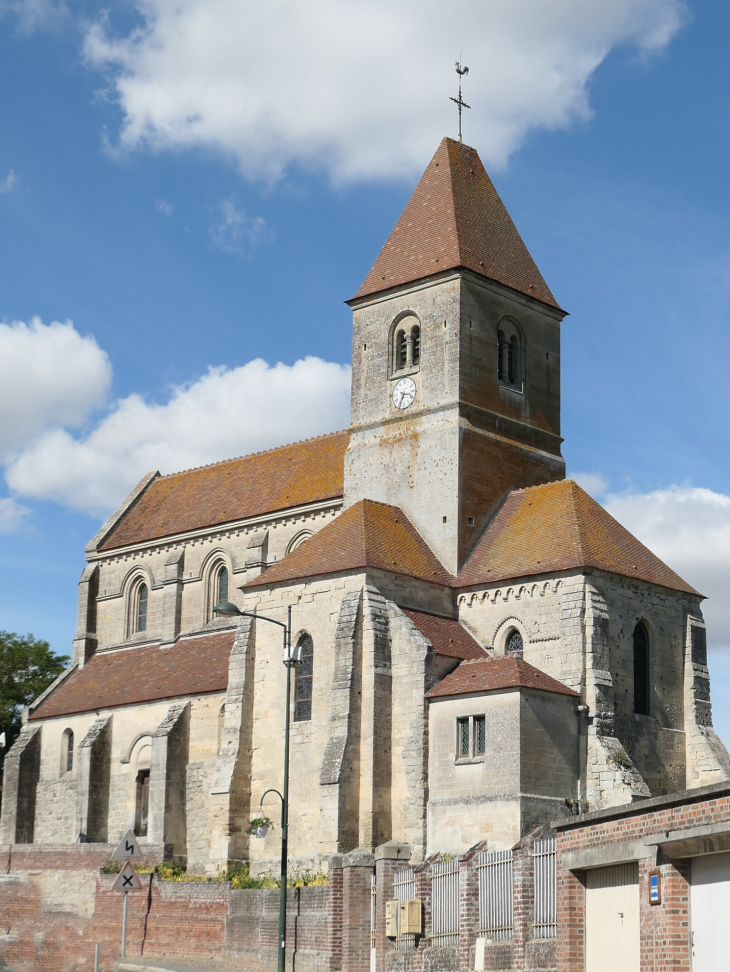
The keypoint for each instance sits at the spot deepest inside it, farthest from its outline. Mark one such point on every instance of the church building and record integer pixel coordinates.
(484, 649)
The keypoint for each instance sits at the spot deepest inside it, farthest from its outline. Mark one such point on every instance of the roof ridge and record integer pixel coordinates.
(251, 455)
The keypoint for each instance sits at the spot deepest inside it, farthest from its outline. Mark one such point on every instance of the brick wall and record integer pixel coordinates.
(665, 927)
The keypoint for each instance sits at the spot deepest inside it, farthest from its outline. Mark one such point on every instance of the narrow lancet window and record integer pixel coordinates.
(68, 751)
(222, 592)
(641, 670)
(141, 620)
(416, 339)
(304, 679)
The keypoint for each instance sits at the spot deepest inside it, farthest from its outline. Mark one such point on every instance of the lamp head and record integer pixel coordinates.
(226, 609)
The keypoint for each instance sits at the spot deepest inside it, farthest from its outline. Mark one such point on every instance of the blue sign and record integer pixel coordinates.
(654, 894)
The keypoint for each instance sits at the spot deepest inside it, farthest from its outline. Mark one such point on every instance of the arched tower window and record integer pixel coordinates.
(400, 350)
(406, 347)
(67, 751)
(510, 355)
(140, 613)
(641, 670)
(304, 681)
(221, 585)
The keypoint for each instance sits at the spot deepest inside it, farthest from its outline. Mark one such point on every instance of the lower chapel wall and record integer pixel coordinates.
(56, 905)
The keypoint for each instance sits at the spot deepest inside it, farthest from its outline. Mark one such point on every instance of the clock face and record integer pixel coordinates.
(404, 393)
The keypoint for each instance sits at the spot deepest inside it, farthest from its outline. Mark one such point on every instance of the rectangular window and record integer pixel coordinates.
(142, 803)
(462, 742)
(699, 645)
(479, 735)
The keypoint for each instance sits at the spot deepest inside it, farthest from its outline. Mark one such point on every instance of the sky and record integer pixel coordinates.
(190, 190)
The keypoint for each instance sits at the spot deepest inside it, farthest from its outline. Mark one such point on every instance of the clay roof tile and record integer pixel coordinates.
(492, 674)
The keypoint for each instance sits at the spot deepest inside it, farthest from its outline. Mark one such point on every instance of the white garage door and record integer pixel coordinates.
(612, 919)
(710, 878)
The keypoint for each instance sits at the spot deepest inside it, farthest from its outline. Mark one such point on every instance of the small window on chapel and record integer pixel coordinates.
(67, 756)
(471, 737)
(514, 644)
(141, 612)
(463, 740)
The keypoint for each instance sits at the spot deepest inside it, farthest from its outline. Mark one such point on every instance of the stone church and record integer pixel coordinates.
(485, 650)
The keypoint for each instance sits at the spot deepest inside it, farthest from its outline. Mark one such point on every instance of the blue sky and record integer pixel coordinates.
(187, 227)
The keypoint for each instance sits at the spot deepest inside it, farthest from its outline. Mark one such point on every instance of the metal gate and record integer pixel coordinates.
(496, 906)
(612, 919)
(404, 889)
(445, 903)
(545, 877)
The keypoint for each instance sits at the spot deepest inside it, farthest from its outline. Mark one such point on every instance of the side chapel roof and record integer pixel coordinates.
(292, 475)
(558, 526)
(455, 218)
(193, 666)
(491, 674)
(448, 637)
(368, 534)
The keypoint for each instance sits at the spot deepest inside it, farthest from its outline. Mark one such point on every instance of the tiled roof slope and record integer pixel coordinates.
(192, 666)
(368, 534)
(490, 674)
(558, 527)
(455, 218)
(293, 475)
(447, 636)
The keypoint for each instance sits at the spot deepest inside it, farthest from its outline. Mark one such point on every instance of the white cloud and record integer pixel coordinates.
(13, 515)
(225, 413)
(164, 207)
(50, 375)
(689, 529)
(360, 89)
(32, 15)
(8, 182)
(593, 483)
(233, 228)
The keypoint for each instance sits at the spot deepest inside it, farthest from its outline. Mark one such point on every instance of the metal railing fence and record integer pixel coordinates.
(496, 906)
(546, 890)
(445, 903)
(404, 889)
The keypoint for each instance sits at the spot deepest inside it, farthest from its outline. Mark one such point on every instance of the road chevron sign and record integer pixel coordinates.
(127, 880)
(128, 848)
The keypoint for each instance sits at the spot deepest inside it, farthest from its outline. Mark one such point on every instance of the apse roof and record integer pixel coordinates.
(556, 527)
(265, 482)
(455, 218)
(491, 674)
(368, 534)
(193, 666)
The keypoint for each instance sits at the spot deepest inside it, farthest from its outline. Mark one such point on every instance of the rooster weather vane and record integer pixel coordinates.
(461, 71)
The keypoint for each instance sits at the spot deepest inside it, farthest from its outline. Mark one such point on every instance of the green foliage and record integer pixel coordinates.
(238, 876)
(27, 668)
(258, 822)
(111, 867)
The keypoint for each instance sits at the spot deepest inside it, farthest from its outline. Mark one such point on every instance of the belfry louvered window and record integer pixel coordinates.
(304, 681)
(141, 612)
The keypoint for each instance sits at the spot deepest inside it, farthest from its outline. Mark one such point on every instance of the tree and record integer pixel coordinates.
(27, 668)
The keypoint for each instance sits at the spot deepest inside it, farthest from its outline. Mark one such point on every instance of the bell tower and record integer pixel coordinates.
(455, 362)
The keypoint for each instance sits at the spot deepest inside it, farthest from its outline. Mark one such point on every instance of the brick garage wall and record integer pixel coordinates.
(55, 906)
(665, 928)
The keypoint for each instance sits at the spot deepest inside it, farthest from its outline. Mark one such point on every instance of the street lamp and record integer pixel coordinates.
(292, 659)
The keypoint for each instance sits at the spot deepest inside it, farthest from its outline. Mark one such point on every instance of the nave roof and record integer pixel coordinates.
(193, 666)
(237, 489)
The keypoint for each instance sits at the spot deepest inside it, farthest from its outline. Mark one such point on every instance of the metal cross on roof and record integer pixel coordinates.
(461, 71)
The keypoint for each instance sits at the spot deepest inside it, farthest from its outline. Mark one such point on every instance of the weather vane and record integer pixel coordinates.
(461, 71)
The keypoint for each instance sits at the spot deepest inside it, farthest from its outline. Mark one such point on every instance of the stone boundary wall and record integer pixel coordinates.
(55, 905)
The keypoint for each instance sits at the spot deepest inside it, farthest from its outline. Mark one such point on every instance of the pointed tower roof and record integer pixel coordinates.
(455, 218)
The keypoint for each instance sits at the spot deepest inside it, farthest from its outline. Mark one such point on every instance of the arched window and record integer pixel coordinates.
(510, 356)
(221, 585)
(416, 339)
(641, 670)
(140, 614)
(514, 645)
(141, 802)
(67, 752)
(400, 350)
(304, 679)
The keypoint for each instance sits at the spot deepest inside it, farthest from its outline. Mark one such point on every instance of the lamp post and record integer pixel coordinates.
(291, 660)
